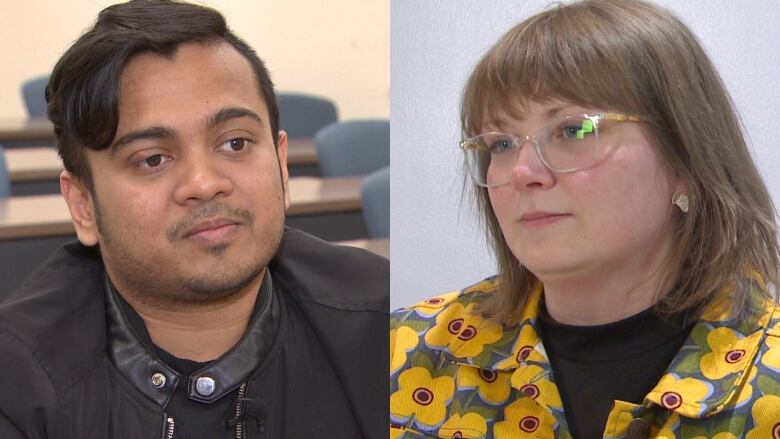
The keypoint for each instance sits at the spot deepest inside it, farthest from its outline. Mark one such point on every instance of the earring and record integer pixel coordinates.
(681, 200)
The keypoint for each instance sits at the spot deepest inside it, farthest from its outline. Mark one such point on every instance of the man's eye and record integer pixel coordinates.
(153, 161)
(236, 144)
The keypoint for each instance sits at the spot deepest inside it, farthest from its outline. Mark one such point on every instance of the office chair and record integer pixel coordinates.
(302, 115)
(33, 93)
(375, 196)
(356, 147)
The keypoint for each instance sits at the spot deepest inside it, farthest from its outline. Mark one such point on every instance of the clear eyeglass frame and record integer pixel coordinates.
(575, 148)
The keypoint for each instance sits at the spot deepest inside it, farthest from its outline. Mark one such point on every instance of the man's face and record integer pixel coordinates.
(189, 200)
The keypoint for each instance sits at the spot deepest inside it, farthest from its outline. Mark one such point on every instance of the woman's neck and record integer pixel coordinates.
(604, 295)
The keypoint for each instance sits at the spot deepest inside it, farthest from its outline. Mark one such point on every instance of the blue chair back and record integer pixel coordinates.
(375, 196)
(33, 92)
(357, 147)
(302, 115)
(5, 182)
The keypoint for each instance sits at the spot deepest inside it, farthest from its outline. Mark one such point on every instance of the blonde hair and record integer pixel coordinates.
(637, 58)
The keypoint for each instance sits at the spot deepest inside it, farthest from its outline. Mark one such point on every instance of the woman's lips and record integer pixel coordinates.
(541, 219)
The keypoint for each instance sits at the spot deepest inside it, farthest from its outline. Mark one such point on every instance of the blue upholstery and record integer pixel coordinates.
(375, 195)
(357, 147)
(302, 115)
(5, 182)
(33, 91)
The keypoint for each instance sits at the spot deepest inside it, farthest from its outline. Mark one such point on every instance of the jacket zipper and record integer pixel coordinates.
(170, 424)
(237, 412)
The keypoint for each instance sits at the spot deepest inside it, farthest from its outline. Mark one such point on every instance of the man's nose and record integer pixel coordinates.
(201, 179)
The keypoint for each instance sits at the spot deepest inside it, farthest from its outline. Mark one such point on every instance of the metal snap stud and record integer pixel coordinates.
(158, 380)
(205, 386)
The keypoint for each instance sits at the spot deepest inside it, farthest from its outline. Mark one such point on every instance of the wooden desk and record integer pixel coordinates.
(47, 215)
(42, 162)
(301, 152)
(25, 130)
(33, 164)
(378, 246)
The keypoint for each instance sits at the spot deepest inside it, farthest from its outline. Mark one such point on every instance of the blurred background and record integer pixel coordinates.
(437, 245)
(337, 49)
(330, 64)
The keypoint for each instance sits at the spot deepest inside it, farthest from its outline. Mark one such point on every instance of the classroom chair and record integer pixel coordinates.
(33, 92)
(302, 115)
(5, 181)
(357, 147)
(375, 196)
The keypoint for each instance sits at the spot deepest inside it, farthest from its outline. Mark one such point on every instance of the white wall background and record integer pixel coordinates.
(337, 48)
(436, 245)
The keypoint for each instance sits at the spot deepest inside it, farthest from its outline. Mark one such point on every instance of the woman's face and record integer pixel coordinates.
(613, 216)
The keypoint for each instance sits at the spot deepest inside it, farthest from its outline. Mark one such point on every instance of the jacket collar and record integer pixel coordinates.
(714, 361)
(716, 358)
(157, 381)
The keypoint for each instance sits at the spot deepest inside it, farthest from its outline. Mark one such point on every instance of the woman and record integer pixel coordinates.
(635, 240)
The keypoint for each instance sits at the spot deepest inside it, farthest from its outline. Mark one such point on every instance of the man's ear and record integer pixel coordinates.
(281, 152)
(81, 206)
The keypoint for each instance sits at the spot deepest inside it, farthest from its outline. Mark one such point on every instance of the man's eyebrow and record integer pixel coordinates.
(226, 114)
(143, 134)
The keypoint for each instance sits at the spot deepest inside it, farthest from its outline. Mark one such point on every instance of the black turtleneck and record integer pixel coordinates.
(594, 365)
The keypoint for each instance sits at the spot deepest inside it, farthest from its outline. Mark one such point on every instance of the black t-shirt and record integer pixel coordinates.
(594, 365)
(295, 392)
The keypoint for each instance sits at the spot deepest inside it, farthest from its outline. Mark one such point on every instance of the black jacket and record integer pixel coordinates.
(58, 377)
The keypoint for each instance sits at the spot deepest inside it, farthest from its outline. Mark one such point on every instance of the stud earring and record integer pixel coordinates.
(681, 200)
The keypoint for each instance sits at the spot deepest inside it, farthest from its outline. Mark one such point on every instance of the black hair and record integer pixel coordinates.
(83, 91)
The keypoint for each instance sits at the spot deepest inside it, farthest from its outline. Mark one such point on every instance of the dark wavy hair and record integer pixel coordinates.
(83, 91)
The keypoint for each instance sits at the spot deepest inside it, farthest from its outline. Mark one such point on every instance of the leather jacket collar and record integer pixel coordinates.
(154, 379)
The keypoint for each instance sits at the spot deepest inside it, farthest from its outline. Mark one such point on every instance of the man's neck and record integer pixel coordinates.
(201, 333)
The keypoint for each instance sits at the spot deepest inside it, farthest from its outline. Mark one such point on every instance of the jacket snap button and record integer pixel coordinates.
(638, 429)
(158, 380)
(205, 386)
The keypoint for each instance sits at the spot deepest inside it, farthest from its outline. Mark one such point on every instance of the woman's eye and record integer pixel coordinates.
(500, 145)
(236, 144)
(577, 130)
(572, 131)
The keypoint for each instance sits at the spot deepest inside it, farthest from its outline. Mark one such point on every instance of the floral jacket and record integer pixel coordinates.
(456, 375)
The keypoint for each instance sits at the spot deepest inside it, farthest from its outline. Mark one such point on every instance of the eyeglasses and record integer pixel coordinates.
(564, 144)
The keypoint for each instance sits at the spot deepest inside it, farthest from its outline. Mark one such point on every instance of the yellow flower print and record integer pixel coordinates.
(533, 381)
(721, 435)
(524, 418)
(730, 351)
(432, 306)
(524, 349)
(468, 426)
(395, 433)
(671, 424)
(771, 357)
(682, 395)
(766, 418)
(402, 340)
(620, 417)
(493, 387)
(746, 393)
(460, 331)
(421, 396)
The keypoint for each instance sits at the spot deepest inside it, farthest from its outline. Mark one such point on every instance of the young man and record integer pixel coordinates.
(186, 309)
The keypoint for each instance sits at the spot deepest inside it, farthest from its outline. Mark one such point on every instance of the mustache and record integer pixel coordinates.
(220, 210)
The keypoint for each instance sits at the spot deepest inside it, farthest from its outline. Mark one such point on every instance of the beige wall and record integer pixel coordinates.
(338, 49)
